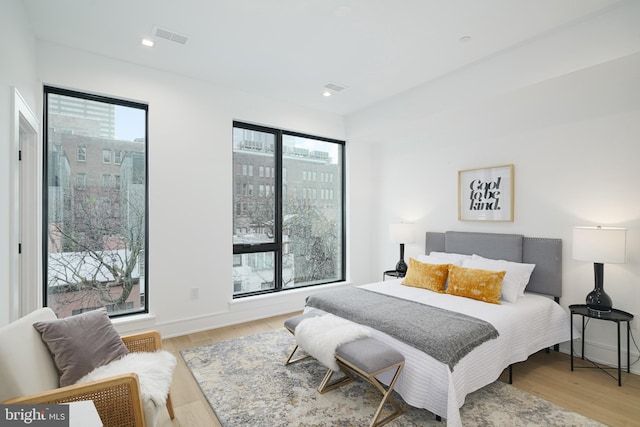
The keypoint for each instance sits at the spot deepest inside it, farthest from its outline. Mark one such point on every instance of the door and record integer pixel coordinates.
(24, 283)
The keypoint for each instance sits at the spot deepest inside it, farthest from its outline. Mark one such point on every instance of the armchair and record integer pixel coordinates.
(29, 375)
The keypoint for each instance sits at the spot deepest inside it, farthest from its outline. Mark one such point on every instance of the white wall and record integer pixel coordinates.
(190, 183)
(565, 110)
(17, 69)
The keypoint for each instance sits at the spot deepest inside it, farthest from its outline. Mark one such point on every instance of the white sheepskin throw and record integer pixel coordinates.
(320, 336)
(155, 373)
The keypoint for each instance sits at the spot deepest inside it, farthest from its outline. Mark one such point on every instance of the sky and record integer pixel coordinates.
(129, 123)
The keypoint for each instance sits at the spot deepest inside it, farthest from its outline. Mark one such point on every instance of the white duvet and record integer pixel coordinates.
(533, 323)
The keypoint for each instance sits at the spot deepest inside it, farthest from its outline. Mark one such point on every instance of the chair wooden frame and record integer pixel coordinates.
(117, 399)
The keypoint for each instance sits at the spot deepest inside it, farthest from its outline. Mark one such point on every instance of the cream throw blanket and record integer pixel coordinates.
(320, 336)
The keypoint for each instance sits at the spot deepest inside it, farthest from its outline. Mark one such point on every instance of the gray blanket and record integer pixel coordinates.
(444, 335)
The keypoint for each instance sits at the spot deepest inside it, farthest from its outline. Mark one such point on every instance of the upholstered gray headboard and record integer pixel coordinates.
(545, 253)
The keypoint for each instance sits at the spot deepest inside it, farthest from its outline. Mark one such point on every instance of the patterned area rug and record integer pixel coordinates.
(247, 384)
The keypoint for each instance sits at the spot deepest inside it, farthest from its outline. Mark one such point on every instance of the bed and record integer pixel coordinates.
(532, 322)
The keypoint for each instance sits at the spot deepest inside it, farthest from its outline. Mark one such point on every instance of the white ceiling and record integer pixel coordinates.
(290, 49)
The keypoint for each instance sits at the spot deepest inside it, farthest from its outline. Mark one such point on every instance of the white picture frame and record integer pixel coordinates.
(486, 194)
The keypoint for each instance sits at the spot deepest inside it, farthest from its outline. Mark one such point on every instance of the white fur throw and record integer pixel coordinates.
(320, 336)
(155, 373)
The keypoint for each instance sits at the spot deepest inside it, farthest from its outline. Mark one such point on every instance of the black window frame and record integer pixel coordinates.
(47, 89)
(276, 246)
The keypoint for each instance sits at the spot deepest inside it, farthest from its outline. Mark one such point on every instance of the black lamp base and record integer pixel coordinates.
(401, 266)
(598, 301)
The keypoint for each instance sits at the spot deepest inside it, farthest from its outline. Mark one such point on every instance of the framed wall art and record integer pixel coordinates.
(486, 194)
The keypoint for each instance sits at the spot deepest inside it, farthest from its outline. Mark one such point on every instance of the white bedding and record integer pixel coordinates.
(532, 323)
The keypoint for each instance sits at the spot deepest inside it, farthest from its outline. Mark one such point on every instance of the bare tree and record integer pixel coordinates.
(101, 240)
(313, 240)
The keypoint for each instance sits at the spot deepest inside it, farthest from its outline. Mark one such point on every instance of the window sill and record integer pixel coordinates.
(292, 293)
(134, 323)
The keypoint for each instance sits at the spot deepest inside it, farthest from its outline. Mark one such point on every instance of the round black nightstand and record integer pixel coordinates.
(392, 273)
(614, 315)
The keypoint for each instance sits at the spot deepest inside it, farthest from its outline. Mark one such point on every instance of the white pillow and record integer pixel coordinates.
(518, 273)
(430, 259)
(450, 258)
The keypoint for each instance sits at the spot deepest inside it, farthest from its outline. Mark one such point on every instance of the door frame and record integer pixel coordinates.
(25, 211)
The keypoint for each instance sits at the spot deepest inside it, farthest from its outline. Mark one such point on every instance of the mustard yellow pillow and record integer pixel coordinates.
(426, 276)
(483, 285)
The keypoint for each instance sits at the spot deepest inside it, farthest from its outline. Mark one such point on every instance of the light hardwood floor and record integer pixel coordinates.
(586, 391)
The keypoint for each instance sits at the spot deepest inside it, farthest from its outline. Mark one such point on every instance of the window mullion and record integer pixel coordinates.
(278, 211)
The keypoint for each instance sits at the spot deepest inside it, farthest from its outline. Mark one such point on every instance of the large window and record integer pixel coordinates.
(288, 210)
(95, 209)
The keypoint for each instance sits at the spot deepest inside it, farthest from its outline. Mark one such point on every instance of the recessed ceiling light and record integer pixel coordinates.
(147, 42)
(331, 88)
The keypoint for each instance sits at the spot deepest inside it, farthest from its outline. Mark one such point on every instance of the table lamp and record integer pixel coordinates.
(401, 233)
(599, 245)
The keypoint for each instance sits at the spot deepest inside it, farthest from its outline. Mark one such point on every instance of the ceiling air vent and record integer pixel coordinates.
(163, 33)
(334, 87)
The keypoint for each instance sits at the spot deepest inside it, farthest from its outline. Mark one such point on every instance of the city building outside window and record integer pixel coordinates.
(95, 234)
(81, 179)
(284, 238)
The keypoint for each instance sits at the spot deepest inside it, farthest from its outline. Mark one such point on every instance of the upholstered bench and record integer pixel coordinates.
(291, 324)
(369, 357)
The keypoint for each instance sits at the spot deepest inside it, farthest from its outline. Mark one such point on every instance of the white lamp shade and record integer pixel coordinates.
(600, 244)
(401, 233)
